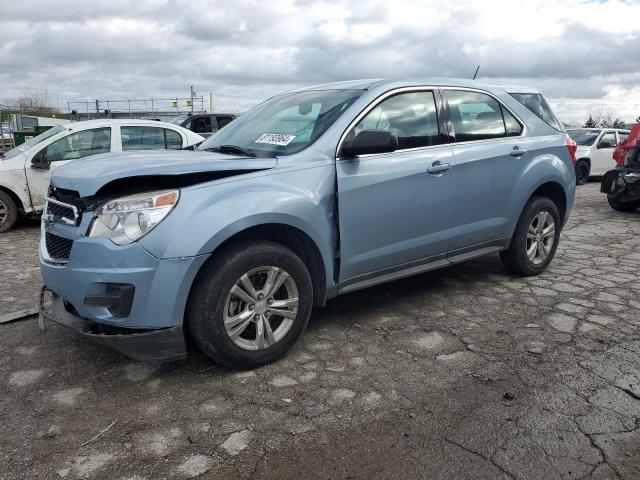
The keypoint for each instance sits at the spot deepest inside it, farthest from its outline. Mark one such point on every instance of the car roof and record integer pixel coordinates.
(106, 122)
(599, 129)
(381, 83)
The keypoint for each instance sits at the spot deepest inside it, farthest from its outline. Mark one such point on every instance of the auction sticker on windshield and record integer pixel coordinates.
(281, 139)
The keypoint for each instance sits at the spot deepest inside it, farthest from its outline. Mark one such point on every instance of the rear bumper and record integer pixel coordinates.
(622, 183)
(149, 345)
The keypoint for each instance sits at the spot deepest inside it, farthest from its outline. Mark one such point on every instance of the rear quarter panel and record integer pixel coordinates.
(548, 160)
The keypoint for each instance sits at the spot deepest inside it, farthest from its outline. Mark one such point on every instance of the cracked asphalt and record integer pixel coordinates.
(467, 372)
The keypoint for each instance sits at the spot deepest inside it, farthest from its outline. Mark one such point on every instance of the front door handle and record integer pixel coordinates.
(517, 151)
(438, 167)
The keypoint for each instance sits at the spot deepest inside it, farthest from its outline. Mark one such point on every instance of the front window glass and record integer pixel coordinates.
(475, 116)
(179, 120)
(584, 138)
(79, 145)
(201, 125)
(410, 116)
(538, 105)
(610, 138)
(285, 124)
(33, 141)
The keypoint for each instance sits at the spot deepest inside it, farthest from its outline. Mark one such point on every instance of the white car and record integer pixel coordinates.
(595, 150)
(25, 170)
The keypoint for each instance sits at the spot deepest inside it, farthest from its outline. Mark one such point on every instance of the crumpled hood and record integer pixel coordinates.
(87, 176)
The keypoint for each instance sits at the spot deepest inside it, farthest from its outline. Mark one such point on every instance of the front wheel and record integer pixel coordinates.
(250, 304)
(535, 239)
(621, 206)
(8, 211)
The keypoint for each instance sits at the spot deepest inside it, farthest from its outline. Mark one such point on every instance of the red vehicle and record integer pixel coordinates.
(622, 184)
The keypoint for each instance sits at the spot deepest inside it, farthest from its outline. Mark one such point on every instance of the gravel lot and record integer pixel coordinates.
(461, 373)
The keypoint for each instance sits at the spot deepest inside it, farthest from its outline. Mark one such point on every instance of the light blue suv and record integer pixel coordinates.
(313, 193)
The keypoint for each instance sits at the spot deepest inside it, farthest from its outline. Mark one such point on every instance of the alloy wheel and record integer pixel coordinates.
(261, 308)
(4, 212)
(541, 236)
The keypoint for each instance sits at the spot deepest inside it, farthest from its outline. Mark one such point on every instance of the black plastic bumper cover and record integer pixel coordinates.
(622, 183)
(158, 346)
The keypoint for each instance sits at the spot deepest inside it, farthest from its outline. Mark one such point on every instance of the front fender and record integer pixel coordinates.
(206, 216)
(14, 181)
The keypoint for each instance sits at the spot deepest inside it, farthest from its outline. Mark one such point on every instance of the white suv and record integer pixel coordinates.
(595, 150)
(25, 171)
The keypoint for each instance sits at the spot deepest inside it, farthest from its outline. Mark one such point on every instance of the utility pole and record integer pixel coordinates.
(191, 91)
(98, 108)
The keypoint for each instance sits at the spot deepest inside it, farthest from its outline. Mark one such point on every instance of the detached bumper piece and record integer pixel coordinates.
(622, 183)
(159, 346)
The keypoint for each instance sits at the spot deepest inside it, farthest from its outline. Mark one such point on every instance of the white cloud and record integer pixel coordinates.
(582, 53)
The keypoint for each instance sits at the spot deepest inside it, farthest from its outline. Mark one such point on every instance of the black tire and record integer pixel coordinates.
(206, 308)
(515, 259)
(621, 206)
(582, 172)
(8, 211)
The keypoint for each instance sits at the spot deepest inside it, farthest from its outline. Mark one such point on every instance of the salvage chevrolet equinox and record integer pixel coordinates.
(312, 194)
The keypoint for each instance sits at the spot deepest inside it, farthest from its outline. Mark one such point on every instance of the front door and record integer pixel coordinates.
(73, 146)
(396, 208)
(602, 157)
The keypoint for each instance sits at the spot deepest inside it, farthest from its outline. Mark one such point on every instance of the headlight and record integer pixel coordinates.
(126, 219)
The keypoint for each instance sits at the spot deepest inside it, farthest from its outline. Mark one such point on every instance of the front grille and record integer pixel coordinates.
(61, 211)
(59, 248)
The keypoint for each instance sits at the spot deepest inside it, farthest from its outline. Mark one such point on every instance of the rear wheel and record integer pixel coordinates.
(8, 211)
(582, 172)
(535, 239)
(250, 304)
(621, 206)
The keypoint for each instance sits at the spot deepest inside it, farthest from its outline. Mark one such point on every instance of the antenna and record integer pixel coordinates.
(476, 74)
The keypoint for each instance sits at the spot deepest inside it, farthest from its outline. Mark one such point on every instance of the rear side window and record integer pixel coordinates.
(149, 138)
(623, 136)
(538, 105)
(475, 116)
(411, 116)
(512, 125)
(174, 140)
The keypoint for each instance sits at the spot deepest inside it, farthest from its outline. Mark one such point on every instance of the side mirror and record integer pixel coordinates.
(370, 141)
(41, 161)
(604, 144)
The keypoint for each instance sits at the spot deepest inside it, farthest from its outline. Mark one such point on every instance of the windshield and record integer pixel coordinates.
(584, 137)
(179, 120)
(285, 124)
(33, 141)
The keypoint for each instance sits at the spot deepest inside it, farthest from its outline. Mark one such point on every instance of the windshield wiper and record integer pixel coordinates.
(232, 149)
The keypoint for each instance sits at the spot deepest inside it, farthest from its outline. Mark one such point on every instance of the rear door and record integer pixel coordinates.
(490, 152)
(602, 157)
(396, 208)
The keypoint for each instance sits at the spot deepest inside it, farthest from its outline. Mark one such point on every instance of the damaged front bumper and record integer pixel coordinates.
(146, 345)
(622, 183)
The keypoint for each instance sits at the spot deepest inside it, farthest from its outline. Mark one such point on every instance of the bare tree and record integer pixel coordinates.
(604, 118)
(35, 100)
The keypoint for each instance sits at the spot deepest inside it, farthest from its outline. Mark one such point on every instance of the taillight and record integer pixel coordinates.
(572, 146)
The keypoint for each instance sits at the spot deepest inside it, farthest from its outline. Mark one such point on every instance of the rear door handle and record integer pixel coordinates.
(438, 167)
(517, 151)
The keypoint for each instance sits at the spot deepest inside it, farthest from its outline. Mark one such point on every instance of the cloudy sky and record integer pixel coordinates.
(583, 54)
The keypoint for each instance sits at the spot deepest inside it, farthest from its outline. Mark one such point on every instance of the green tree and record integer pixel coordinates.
(618, 123)
(590, 123)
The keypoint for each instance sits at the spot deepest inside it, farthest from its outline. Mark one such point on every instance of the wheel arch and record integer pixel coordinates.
(15, 197)
(555, 192)
(291, 237)
(585, 159)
